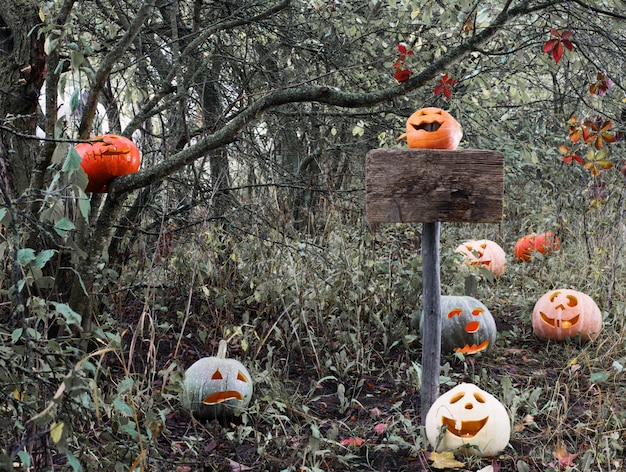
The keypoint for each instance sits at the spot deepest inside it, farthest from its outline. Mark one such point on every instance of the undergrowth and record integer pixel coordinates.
(325, 322)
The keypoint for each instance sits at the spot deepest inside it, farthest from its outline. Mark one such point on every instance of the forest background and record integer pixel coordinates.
(246, 222)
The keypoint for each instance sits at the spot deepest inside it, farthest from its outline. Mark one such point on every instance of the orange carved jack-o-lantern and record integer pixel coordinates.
(545, 243)
(217, 387)
(106, 158)
(467, 326)
(432, 128)
(566, 313)
(470, 420)
(484, 253)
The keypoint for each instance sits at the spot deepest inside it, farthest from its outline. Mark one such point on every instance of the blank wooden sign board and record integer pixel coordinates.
(430, 186)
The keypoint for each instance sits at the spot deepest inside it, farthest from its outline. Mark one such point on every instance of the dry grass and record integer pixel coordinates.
(326, 324)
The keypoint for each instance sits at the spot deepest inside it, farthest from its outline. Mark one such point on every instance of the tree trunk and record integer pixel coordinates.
(22, 74)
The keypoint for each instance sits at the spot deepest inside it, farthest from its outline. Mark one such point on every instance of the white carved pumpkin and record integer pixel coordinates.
(469, 419)
(217, 387)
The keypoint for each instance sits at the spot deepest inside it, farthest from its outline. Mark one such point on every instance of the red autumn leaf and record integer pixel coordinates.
(557, 44)
(352, 442)
(549, 45)
(602, 85)
(444, 86)
(402, 75)
(598, 134)
(557, 52)
(570, 156)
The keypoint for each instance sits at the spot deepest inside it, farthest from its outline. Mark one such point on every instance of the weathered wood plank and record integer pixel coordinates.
(405, 185)
(431, 327)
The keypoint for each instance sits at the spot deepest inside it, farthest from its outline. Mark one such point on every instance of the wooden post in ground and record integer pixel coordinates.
(430, 186)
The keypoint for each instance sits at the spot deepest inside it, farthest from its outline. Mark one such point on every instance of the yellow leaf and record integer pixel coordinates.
(56, 431)
(445, 460)
(572, 362)
(18, 395)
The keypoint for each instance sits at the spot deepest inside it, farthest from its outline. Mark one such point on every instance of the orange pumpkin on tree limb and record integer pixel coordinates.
(432, 128)
(566, 313)
(107, 157)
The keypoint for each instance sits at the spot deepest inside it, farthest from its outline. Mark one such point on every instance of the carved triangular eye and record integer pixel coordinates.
(242, 377)
(217, 375)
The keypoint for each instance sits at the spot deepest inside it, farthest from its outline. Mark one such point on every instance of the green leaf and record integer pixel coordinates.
(63, 226)
(72, 161)
(71, 460)
(70, 316)
(16, 335)
(122, 407)
(84, 205)
(125, 385)
(43, 257)
(25, 256)
(24, 458)
(60, 153)
(75, 100)
(599, 377)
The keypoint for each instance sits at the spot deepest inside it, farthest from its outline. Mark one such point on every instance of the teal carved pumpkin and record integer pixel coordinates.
(467, 326)
(217, 387)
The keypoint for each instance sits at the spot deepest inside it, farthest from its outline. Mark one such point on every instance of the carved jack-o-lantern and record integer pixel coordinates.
(484, 253)
(217, 387)
(545, 243)
(469, 419)
(432, 128)
(467, 326)
(566, 313)
(106, 158)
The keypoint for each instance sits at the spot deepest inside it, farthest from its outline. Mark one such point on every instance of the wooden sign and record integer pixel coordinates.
(405, 185)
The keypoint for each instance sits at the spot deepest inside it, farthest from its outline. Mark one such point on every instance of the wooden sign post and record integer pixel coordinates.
(430, 186)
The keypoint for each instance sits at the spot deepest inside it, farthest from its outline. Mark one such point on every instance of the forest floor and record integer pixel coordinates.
(368, 418)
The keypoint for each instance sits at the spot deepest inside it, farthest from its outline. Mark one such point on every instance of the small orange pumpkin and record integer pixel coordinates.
(432, 128)
(524, 247)
(109, 156)
(484, 252)
(565, 313)
(547, 242)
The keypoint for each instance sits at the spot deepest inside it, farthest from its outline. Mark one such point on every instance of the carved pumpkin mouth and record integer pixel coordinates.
(219, 397)
(430, 127)
(559, 323)
(473, 349)
(465, 429)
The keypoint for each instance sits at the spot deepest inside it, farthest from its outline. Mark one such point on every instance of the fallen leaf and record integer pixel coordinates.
(445, 460)
(354, 442)
(237, 467)
(565, 458)
(380, 427)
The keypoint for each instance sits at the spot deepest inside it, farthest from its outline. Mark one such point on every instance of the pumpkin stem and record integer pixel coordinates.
(221, 349)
